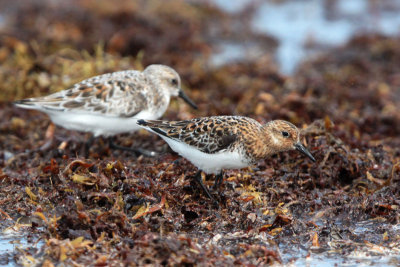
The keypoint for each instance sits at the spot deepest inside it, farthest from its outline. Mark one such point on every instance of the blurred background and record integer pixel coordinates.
(297, 29)
(305, 28)
(221, 48)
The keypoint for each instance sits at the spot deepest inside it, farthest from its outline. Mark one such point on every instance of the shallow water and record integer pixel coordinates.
(6, 250)
(362, 255)
(305, 28)
(10, 240)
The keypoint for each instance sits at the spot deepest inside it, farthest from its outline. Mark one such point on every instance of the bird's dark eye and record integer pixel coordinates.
(285, 134)
(174, 82)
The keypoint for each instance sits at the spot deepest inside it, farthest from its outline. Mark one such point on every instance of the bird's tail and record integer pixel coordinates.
(40, 103)
(155, 126)
(142, 122)
(151, 123)
(25, 103)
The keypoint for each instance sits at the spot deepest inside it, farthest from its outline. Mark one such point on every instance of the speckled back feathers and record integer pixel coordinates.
(118, 94)
(226, 133)
(209, 135)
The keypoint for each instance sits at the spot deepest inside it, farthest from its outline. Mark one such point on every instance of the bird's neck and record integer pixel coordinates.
(261, 144)
(161, 99)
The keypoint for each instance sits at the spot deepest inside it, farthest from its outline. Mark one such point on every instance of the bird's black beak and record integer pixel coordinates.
(302, 149)
(187, 99)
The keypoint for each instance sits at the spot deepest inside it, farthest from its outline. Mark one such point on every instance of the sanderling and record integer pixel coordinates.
(111, 103)
(226, 142)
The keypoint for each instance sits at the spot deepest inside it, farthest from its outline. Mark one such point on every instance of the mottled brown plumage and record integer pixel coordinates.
(228, 133)
(227, 142)
(111, 103)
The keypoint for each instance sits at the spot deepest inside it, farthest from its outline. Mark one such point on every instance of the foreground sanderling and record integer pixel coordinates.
(226, 142)
(111, 103)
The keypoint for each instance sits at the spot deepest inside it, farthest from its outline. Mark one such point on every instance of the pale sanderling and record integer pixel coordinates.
(111, 103)
(226, 142)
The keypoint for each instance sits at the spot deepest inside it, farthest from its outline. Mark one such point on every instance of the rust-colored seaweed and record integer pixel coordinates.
(111, 208)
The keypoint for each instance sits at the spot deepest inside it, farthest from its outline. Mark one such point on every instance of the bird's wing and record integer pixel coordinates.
(119, 94)
(209, 135)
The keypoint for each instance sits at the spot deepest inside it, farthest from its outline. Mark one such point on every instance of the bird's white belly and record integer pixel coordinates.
(98, 124)
(209, 163)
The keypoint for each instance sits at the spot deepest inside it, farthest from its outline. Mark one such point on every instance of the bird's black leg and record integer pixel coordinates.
(218, 180)
(137, 151)
(88, 144)
(198, 179)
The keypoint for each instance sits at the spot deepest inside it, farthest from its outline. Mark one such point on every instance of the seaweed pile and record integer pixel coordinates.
(112, 207)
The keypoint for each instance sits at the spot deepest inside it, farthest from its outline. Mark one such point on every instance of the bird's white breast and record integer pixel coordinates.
(99, 124)
(209, 163)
